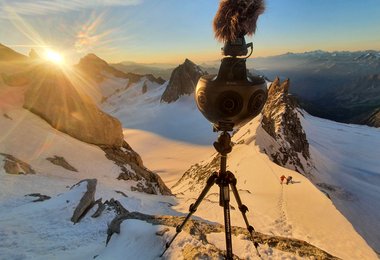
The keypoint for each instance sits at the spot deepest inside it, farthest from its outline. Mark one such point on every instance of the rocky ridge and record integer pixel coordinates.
(183, 81)
(280, 135)
(288, 145)
(373, 119)
(132, 168)
(198, 229)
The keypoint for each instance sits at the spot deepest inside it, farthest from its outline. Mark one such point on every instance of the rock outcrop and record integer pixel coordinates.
(373, 119)
(53, 97)
(198, 229)
(183, 81)
(61, 161)
(39, 197)
(87, 200)
(13, 165)
(132, 168)
(289, 147)
(196, 176)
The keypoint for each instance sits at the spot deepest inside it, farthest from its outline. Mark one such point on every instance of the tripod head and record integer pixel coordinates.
(223, 144)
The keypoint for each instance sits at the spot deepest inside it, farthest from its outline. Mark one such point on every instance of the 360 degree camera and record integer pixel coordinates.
(232, 97)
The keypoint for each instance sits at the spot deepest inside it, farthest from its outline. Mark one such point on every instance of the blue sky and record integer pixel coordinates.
(170, 30)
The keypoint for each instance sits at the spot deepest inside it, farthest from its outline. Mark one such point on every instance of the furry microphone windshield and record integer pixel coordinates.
(236, 18)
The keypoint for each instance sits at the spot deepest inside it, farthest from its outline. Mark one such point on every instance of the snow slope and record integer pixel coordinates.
(168, 158)
(346, 158)
(146, 113)
(27, 226)
(297, 210)
(177, 121)
(151, 127)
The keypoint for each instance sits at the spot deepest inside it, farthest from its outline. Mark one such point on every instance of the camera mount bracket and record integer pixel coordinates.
(224, 179)
(237, 47)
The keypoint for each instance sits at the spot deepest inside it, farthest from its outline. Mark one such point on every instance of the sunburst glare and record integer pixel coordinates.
(54, 56)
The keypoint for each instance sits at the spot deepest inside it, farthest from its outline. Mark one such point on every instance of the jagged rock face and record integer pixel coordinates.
(373, 119)
(152, 78)
(132, 168)
(61, 161)
(53, 97)
(196, 176)
(280, 120)
(183, 81)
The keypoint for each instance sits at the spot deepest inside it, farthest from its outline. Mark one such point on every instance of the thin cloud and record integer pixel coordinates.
(44, 7)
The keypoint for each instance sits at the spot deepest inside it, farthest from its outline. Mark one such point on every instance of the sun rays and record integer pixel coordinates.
(50, 67)
(54, 56)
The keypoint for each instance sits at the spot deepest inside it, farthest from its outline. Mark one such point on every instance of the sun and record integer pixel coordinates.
(54, 57)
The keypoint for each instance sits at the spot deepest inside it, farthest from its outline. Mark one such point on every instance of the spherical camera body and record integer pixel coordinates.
(232, 97)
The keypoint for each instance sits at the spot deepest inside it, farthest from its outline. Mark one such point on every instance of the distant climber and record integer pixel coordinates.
(282, 178)
(289, 180)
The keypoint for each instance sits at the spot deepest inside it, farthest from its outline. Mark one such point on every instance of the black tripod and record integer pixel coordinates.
(224, 179)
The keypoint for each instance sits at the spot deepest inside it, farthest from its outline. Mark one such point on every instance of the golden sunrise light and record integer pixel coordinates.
(127, 111)
(54, 57)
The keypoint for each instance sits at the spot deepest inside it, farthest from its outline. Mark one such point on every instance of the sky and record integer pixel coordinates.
(168, 31)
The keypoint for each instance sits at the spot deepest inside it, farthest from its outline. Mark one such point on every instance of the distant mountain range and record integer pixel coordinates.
(342, 86)
(157, 69)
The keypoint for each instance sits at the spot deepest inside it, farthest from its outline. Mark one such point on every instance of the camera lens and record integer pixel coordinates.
(256, 102)
(201, 96)
(230, 103)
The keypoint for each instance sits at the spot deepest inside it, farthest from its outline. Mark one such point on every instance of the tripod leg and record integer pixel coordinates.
(225, 201)
(193, 207)
(243, 209)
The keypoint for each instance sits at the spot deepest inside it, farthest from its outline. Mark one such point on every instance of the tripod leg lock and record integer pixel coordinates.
(192, 209)
(231, 178)
(243, 208)
(251, 229)
(212, 179)
(178, 229)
